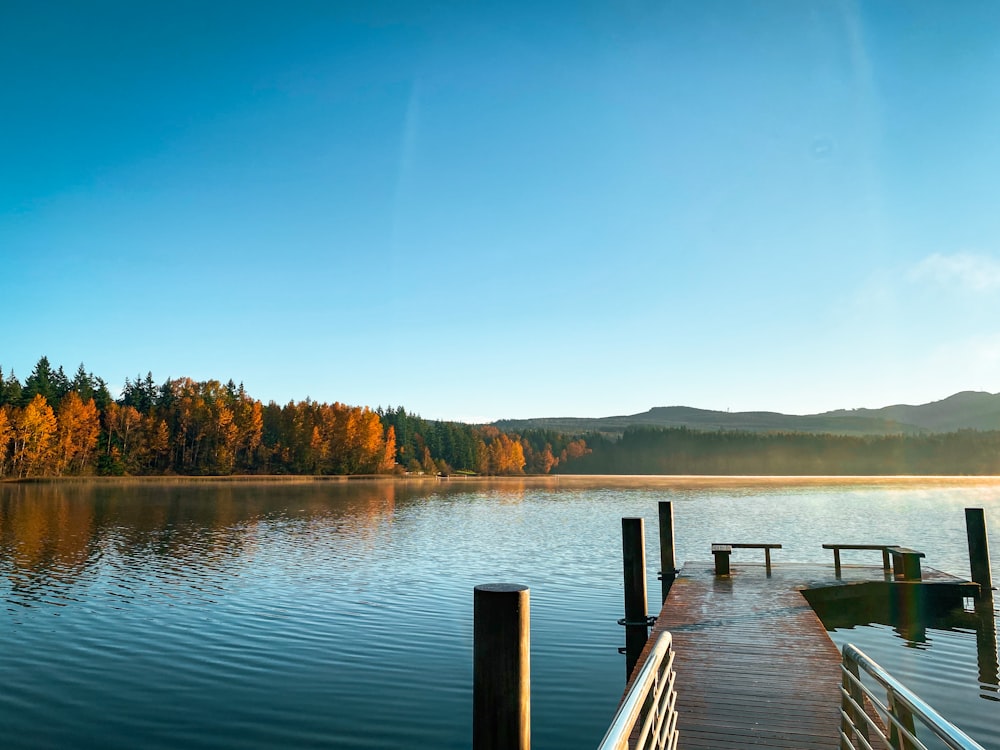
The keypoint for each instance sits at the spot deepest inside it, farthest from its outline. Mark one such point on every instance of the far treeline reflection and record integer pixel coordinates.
(54, 425)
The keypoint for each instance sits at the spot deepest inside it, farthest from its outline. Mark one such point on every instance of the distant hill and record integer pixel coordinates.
(974, 410)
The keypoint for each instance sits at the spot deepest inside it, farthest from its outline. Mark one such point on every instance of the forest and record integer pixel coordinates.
(680, 450)
(56, 425)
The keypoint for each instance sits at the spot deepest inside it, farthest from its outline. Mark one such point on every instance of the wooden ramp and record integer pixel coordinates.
(755, 666)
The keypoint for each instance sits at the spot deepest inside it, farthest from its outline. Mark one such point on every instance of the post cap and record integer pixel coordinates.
(501, 588)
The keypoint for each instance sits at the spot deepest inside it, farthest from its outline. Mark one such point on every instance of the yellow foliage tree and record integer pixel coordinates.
(248, 416)
(34, 438)
(156, 444)
(388, 462)
(78, 429)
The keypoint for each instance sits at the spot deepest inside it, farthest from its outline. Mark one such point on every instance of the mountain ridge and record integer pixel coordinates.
(965, 410)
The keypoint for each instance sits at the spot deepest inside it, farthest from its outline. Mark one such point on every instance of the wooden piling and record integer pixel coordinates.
(634, 564)
(668, 562)
(979, 552)
(501, 700)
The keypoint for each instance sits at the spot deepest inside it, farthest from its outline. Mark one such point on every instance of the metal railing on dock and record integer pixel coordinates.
(898, 711)
(647, 717)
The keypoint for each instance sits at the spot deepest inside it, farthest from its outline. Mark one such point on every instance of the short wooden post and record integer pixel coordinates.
(836, 562)
(668, 562)
(501, 675)
(634, 564)
(979, 552)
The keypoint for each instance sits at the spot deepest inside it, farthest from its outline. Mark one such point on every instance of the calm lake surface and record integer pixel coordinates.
(339, 614)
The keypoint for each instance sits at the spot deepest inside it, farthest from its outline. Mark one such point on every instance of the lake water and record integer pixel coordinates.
(339, 614)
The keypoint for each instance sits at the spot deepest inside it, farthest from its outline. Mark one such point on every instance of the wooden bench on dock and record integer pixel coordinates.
(722, 552)
(905, 561)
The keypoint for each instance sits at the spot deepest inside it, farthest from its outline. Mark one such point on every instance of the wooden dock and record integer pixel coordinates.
(755, 666)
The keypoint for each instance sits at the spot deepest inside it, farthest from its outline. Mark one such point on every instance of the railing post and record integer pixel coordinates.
(853, 723)
(897, 738)
(979, 554)
(668, 562)
(501, 695)
(634, 564)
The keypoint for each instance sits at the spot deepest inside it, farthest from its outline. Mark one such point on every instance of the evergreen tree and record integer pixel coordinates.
(102, 396)
(60, 384)
(82, 383)
(13, 392)
(40, 383)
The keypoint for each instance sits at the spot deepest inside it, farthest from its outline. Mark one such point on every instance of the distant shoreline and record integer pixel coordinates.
(541, 480)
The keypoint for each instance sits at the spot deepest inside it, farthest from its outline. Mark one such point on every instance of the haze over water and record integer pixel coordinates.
(334, 614)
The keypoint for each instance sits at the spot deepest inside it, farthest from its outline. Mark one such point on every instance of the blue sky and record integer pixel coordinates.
(497, 210)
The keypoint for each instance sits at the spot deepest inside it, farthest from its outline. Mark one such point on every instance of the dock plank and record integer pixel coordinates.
(755, 666)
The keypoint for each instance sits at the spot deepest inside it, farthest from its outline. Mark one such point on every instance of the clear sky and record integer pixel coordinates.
(499, 210)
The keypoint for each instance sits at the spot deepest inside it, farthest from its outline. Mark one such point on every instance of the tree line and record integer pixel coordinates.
(55, 425)
(483, 449)
(680, 450)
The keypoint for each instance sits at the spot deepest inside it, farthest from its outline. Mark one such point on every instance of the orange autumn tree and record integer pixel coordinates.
(78, 428)
(34, 438)
(248, 417)
(121, 429)
(213, 428)
(388, 461)
(498, 453)
(331, 439)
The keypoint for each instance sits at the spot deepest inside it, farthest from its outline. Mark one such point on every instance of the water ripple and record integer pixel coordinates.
(341, 616)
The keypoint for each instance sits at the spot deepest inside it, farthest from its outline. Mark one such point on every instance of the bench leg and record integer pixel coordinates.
(721, 563)
(836, 563)
(911, 567)
(767, 559)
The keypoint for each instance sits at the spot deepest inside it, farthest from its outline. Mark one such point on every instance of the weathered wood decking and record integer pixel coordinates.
(754, 663)
(755, 666)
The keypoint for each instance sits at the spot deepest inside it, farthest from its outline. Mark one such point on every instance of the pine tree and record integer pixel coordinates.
(40, 383)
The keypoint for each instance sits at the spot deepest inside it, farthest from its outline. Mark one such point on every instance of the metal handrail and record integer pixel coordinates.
(650, 705)
(896, 729)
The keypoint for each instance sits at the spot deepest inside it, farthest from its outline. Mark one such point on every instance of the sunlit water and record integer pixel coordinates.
(340, 614)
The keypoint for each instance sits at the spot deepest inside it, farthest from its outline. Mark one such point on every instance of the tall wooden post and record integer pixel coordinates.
(979, 553)
(501, 674)
(668, 562)
(634, 563)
